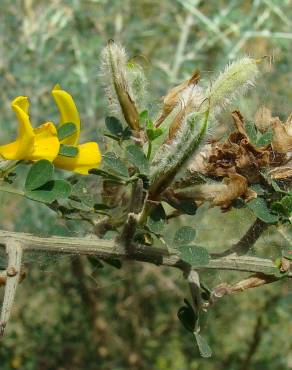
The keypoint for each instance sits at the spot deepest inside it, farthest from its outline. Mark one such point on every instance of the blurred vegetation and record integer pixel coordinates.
(73, 315)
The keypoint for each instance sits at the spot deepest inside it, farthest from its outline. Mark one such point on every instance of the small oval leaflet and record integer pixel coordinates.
(188, 318)
(261, 211)
(66, 130)
(205, 350)
(184, 235)
(114, 164)
(195, 256)
(68, 150)
(156, 221)
(137, 158)
(40, 173)
(52, 190)
(114, 126)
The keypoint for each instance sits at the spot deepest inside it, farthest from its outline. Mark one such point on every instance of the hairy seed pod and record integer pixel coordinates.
(234, 81)
(171, 157)
(118, 83)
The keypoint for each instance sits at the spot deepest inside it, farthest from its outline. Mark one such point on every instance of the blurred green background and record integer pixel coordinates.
(70, 315)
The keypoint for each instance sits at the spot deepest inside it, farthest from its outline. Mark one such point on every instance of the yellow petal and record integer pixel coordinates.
(88, 157)
(46, 143)
(23, 145)
(68, 113)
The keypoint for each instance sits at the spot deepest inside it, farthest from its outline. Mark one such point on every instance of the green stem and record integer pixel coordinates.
(149, 150)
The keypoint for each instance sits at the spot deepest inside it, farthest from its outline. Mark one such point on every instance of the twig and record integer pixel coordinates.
(111, 249)
(14, 252)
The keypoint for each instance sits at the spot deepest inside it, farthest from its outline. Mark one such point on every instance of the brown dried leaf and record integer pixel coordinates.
(238, 155)
(282, 135)
(236, 187)
(281, 172)
(220, 194)
(172, 98)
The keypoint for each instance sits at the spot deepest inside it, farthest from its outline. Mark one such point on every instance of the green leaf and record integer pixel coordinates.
(265, 139)
(258, 189)
(113, 262)
(52, 190)
(251, 132)
(40, 173)
(114, 126)
(127, 133)
(95, 262)
(184, 236)
(205, 350)
(156, 221)
(144, 116)
(261, 211)
(137, 158)
(284, 206)
(188, 318)
(152, 132)
(67, 129)
(187, 206)
(114, 164)
(68, 150)
(195, 256)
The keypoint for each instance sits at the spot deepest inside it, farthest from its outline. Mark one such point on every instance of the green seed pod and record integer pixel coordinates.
(171, 157)
(237, 78)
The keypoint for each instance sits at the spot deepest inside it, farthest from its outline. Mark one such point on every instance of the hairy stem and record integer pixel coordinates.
(93, 246)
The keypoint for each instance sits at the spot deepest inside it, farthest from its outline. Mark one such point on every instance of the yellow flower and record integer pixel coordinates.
(89, 155)
(31, 144)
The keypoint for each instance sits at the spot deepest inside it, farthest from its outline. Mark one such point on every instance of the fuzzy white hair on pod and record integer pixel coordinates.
(187, 140)
(235, 80)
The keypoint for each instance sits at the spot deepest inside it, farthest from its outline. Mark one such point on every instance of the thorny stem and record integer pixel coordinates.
(94, 246)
